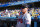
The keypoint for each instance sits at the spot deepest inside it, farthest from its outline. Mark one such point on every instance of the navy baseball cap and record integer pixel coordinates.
(22, 7)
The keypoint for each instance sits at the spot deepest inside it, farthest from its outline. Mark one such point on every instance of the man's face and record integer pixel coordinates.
(24, 10)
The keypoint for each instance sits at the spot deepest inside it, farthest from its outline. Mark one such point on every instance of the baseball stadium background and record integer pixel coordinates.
(13, 7)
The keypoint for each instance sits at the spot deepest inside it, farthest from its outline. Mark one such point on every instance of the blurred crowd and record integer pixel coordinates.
(9, 13)
(35, 13)
(15, 13)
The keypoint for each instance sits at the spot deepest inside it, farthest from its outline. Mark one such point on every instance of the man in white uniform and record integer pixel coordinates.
(26, 16)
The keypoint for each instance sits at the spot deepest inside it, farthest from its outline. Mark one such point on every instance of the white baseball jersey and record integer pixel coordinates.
(27, 18)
